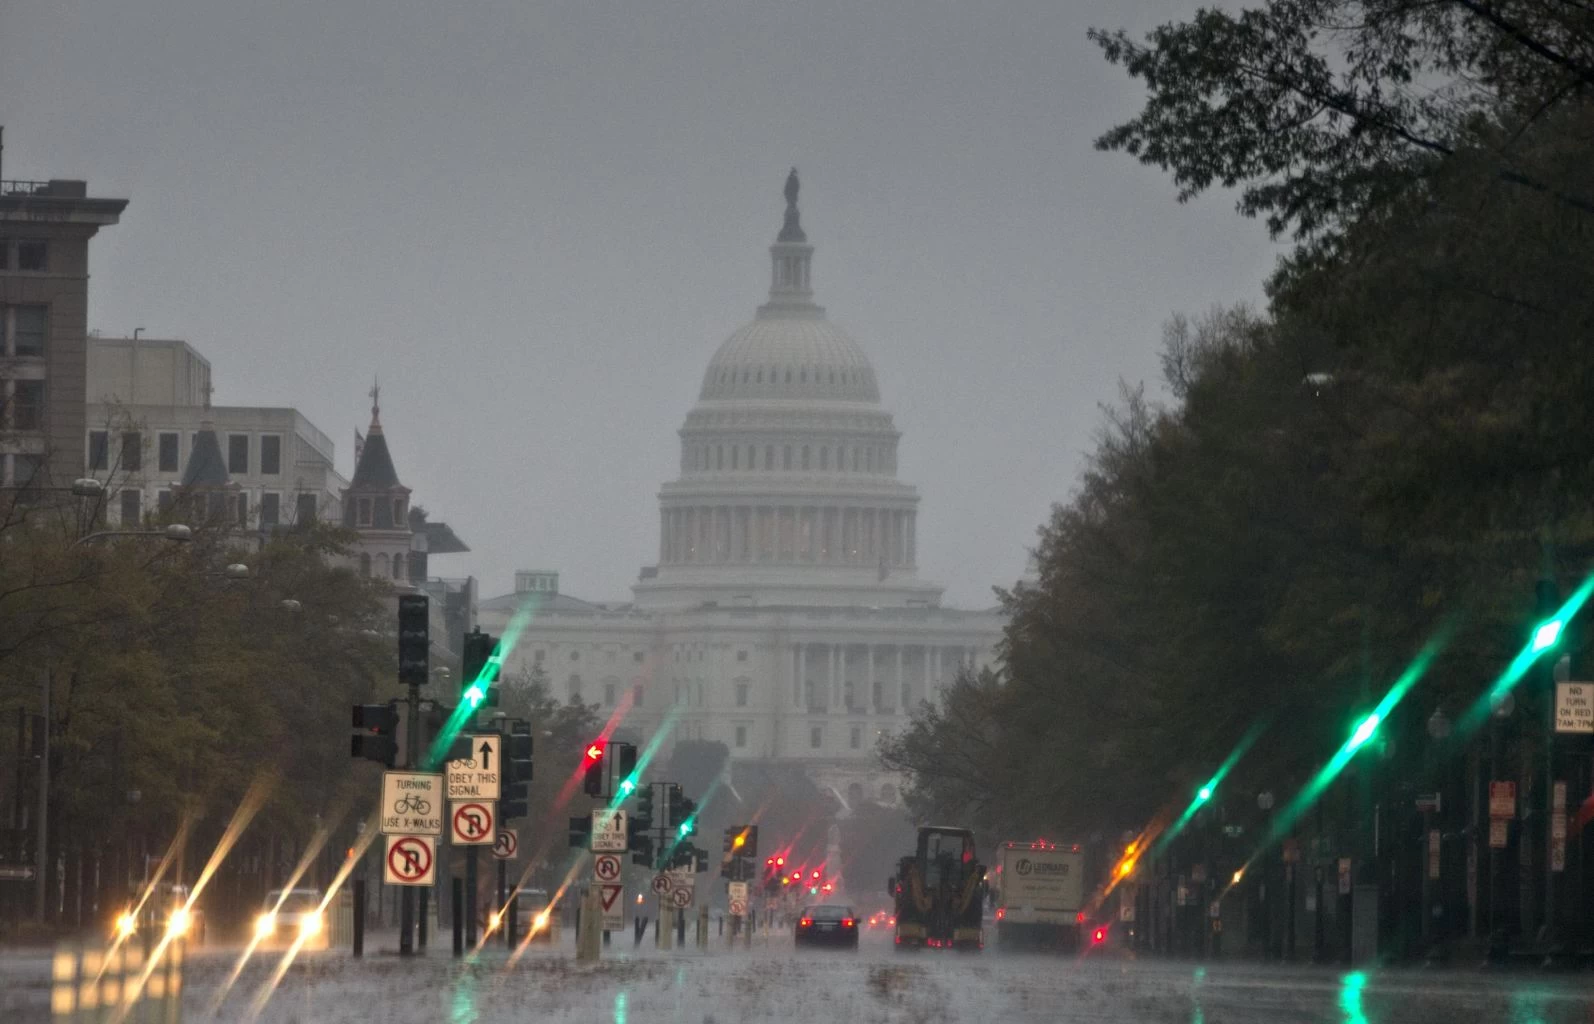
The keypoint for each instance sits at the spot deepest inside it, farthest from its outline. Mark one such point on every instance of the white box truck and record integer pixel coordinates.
(1042, 891)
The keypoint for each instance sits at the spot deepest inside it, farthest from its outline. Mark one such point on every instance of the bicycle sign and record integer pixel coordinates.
(472, 824)
(409, 860)
(412, 804)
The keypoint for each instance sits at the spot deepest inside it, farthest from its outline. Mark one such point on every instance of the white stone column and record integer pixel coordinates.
(940, 678)
(896, 697)
(802, 673)
(830, 681)
(873, 704)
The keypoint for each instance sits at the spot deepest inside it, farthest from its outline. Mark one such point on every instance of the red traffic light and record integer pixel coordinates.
(595, 752)
(816, 874)
(769, 862)
(780, 862)
(1098, 936)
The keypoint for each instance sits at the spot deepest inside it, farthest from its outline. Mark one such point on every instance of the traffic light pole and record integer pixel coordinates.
(470, 895)
(414, 762)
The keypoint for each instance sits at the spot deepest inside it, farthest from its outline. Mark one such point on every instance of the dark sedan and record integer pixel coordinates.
(828, 925)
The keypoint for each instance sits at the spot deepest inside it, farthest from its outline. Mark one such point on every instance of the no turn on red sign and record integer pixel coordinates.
(471, 824)
(410, 860)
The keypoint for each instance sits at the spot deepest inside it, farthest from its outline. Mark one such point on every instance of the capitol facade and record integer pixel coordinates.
(785, 616)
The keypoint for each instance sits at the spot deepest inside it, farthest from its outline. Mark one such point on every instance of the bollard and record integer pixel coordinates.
(459, 919)
(666, 932)
(359, 917)
(640, 927)
(422, 918)
(589, 926)
(702, 928)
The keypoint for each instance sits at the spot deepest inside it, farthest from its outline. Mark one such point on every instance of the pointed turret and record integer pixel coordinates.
(376, 505)
(207, 490)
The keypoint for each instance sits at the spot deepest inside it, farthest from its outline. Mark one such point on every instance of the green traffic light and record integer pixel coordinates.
(1547, 635)
(627, 787)
(1364, 730)
(1204, 794)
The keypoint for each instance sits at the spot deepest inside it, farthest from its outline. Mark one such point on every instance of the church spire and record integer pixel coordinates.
(791, 292)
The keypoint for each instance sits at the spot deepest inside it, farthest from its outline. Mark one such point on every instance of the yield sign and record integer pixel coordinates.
(606, 867)
(613, 909)
(472, 824)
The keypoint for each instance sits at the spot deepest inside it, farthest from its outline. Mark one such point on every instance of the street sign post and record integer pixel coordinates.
(471, 824)
(608, 832)
(1574, 708)
(606, 867)
(1428, 802)
(410, 860)
(613, 907)
(477, 777)
(507, 844)
(412, 804)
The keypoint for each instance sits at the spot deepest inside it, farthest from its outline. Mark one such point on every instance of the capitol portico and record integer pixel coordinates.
(785, 616)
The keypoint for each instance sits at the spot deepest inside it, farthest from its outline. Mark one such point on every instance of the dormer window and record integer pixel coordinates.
(398, 512)
(362, 512)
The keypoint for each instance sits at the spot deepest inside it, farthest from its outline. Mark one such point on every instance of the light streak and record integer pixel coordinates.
(170, 855)
(1478, 713)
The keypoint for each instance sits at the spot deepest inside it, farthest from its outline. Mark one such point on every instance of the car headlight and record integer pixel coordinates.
(180, 920)
(126, 924)
(310, 924)
(540, 922)
(265, 924)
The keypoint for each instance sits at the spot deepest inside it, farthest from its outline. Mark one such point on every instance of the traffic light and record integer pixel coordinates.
(1365, 730)
(641, 849)
(581, 831)
(414, 639)
(750, 846)
(626, 771)
(480, 663)
(592, 780)
(733, 841)
(378, 734)
(643, 815)
(517, 771)
(683, 814)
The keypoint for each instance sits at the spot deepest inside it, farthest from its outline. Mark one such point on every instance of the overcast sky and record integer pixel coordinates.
(536, 221)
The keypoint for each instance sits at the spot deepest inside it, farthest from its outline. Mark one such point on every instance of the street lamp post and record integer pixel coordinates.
(1433, 898)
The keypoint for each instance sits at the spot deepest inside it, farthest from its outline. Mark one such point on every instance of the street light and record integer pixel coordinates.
(236, 571)
(87, 487)
(179, 533)
(1439, 725)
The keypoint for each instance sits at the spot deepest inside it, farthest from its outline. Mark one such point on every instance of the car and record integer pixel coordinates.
(168, 910)
(538, 918)
(292, 915)
(882, 919)
(828, 924)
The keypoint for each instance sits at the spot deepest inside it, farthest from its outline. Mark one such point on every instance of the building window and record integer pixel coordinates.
(27, 405)
(398, 511)
(237, 453)
(608, 694)
(786, 458)
(855, 738)
(847, 696)
(242, 511)
(805, 456)
(270, 509)
(536, 656)
(163, 501)
(824, 458)
(32, 254)
(907, 695)
(132, 451)
(27, 473)
(398, 567)
(132, 507)
(575, 655)
(636, 695)
(28, 334)
(166, 445)
(99, 449)
(741, 736)
(270, 454)
(365, 564)
(362, 512)
(741, 694)
(573, 688)
(741, 655)
(816, 736)
(216, 507)
(637, 657)
(304, 508)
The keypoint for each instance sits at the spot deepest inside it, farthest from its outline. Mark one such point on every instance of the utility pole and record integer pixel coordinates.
(41, 856)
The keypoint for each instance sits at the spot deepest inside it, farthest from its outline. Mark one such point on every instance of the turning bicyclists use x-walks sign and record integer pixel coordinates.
(476, 777)
(412, 804)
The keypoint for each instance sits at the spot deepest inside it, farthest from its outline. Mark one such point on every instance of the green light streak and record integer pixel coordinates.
(1206, 792)
(1479, 712)
(1350, 997)
(619, 1007)
(645, 757)
(476, 692)
(1285, 820)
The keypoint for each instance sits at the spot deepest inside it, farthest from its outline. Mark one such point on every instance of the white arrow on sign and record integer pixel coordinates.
(476, 777)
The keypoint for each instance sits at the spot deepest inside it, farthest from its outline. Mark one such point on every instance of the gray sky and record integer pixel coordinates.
(537, 220)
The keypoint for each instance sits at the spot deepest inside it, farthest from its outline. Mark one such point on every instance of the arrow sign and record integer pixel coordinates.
(486, 758)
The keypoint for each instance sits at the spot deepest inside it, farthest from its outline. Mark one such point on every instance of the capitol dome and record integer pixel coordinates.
(788, 493)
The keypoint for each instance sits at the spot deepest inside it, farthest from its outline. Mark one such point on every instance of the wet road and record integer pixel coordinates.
(771, 982)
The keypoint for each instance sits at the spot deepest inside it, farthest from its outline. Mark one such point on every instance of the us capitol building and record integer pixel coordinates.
(785, 617)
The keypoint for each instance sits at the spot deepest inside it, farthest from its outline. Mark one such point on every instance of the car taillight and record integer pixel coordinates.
(846, 922)
(1099, 936)
(805, 922)
(1079, 918)
(1001, 912)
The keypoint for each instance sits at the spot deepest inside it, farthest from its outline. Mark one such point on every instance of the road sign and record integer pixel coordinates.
(680, 899)
(1434, 839)
(476, 777)
(507, 844)
(606, 867)
(1428, 802)
(608, 832)
(1574, 707)
(16, 873)
(613, 907)
(1344, 876)
(410, 860)
(661, 884)
(1499, 832)
(471, 824)
(1502, 799)
(1558, 855)
(738, 906)
(738, 891)
(412, 804)
(1558, 826)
